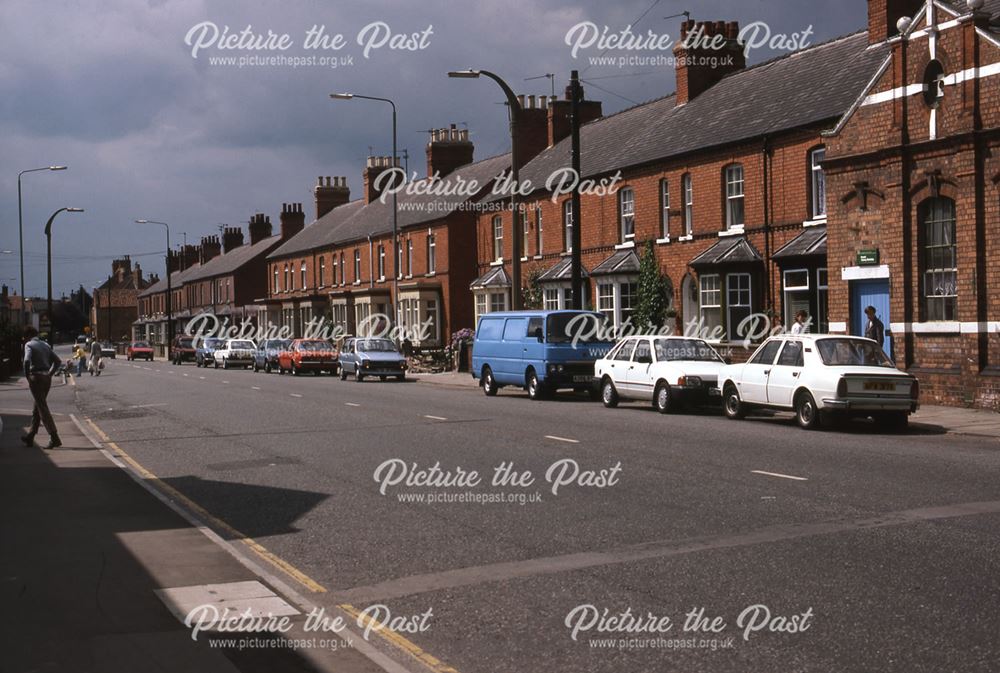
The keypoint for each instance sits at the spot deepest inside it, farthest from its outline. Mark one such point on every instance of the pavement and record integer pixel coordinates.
(889, 539)
(97, 572)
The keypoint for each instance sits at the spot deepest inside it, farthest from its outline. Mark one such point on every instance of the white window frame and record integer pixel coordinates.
(664, 211)
(817, 183)
(538, 231)
(277, 288)
(409, 258)
(730, 304)
(704, 292)
(302, 276)
(497, 238)
(431, 254)
(322, 272)
(735, 195)
(381, 261)
(688, 187)
(569, 221)
(357, 266)
(626, 214)
(525, 232)
(792, 289)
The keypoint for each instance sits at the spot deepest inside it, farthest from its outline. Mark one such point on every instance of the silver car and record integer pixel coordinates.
(370, 356)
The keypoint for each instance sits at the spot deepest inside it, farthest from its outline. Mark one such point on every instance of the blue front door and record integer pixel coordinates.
(866, 293)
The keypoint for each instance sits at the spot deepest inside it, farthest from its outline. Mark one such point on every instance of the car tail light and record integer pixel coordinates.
(842, 387)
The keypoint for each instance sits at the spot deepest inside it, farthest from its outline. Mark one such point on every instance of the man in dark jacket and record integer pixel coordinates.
(874, 330)
(40, 363)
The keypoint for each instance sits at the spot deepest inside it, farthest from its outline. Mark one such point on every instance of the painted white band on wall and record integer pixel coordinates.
(864, 272)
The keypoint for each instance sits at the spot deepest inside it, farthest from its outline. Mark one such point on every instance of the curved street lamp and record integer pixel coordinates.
(516, 225)
(20, 227)
(170, 314)
(396, 250)
(48, 254)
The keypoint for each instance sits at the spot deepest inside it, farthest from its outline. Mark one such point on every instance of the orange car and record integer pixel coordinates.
(309, 355)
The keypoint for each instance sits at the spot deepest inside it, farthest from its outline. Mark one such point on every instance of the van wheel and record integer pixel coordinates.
(489, 383)
(662, 398)
(732, 404)
(806, 412)
(536, 391)
(608, 394)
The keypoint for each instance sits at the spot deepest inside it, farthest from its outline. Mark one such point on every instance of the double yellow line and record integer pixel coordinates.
(362, 620)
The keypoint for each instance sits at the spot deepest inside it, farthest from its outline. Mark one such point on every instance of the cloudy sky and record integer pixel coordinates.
(111, 89)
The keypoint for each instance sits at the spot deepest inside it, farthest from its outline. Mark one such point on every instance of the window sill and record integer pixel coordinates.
(819, 221)
(524, 259)
(663, 241)
(408, 276)
(357, 282)
(565, 253)
(732, 231)
(537, 257)
(498, 262)
(430, 274)
(625, 246)
(689, 237)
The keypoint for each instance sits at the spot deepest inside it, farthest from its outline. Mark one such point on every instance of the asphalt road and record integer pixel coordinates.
(884, 547)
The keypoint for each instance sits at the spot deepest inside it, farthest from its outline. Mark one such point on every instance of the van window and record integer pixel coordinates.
(514, 329)
(490, 329)
(535, 324)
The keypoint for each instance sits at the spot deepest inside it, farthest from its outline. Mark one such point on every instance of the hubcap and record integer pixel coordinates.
(607, 392)
(662, 398)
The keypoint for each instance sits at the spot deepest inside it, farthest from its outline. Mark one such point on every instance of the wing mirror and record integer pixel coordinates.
(728, 360)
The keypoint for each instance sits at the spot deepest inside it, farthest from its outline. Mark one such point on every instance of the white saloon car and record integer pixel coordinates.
(235, 353)
(669, 371)
(820, 376)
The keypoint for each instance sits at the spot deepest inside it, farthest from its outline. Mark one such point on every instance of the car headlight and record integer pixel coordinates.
(689, 381)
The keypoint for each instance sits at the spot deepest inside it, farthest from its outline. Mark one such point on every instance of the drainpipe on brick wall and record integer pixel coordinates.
(768, 266)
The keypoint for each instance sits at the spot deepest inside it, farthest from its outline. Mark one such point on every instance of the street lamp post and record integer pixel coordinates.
(516, 224)
(20, 227)
(395, 210)
(170, 314)
(48, 255)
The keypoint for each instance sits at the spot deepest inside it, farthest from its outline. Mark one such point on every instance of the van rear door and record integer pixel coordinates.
(512, 351)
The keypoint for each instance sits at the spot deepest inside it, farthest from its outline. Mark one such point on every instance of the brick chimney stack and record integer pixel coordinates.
(232, 237)
(211, 247)
(374, 167)
(884, 14)
(706, 52)
(293, 220)
(137, 275)
(189, 256)
(330, 195)
(447, 150)
(260, 228)
(558, 121)
(174, 261)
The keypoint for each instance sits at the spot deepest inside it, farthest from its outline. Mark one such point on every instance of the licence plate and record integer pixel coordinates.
(582, 378)
(880, 386)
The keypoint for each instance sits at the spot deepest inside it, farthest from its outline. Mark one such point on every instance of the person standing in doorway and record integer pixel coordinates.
(40, 363)
(801, 324)
(874, 329)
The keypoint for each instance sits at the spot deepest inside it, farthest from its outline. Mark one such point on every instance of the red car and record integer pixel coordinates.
(182, 350)
(139, 350)
(309, 355)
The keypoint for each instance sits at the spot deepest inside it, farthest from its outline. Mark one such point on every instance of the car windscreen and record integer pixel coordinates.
(314, 346)
(279, 344)
(213, 343)
(185, 343)
(852, 352)
(140, 344)
(375, 345)
(563, 328)
(684, 349)
(246, 345)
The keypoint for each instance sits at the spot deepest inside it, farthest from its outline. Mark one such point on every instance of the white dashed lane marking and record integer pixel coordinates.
(779, 475)
(562, 439)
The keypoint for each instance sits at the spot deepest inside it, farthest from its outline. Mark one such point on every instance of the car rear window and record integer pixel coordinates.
(852, 352)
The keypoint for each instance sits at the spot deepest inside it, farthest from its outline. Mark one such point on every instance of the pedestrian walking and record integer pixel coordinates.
(40, 363)
(801, 324)
(874, 330)
(95, 358)
(80, 356)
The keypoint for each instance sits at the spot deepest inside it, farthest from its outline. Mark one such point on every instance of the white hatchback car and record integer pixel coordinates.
(669, 371)
(821, 376)
(235, 353)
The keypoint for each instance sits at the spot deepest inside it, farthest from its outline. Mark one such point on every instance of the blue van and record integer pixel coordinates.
(541, 351)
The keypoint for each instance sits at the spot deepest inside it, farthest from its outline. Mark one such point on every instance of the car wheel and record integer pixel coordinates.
(489, 383)
(536, 391)
(343, 373)
(382, 378)
(254, 367)
(295, 370)
(225, 364)
(662, 398)
(732, 404)
(267, 367)
(358, 376)
(401, 378)
(806, 412)
(609, 396)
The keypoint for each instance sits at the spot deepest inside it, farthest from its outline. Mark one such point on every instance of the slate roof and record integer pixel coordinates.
(494, 277)
(231, 261)
(810, 242)
(799, 89)
(357, 220)
(176, 279)
(729, 250)
(561, 271)
(623, 261)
